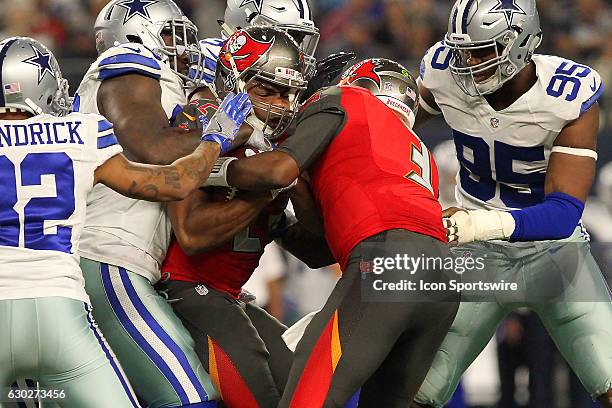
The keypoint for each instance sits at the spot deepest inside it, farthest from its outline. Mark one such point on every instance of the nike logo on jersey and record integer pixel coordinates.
(278, 8)
(192, 118)
(594, 86)
(136, 50)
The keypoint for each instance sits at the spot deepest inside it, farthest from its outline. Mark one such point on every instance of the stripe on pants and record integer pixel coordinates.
(112, 359)
(150, 336)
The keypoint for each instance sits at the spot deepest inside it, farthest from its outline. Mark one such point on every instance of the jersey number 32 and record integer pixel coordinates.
(36, 192)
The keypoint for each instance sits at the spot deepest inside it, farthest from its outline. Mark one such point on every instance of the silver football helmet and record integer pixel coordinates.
(146, 22)
(263, 54)
(31, 79)
(390, 82)
(293, 16)
(509, 29)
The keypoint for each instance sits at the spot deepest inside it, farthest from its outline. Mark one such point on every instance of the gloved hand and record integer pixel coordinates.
(224, 124)
(327, 71)
(465, 226)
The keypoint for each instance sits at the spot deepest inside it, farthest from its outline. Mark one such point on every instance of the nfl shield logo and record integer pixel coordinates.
(366, 266)
(494, 123)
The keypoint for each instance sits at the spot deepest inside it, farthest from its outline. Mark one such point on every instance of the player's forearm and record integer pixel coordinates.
(265, 171)
(194, 168)
(172, 144)
(213, 224)
(553, 219)
(172, 182)
(161, 147)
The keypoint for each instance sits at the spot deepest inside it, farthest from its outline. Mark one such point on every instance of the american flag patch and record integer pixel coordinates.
(12, 88)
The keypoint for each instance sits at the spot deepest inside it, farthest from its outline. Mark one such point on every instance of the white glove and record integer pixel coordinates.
(478, 225)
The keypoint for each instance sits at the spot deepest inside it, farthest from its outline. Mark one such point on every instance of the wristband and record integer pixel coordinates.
(218, 174)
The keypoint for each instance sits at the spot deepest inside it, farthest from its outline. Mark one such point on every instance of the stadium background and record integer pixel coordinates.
(521, 360)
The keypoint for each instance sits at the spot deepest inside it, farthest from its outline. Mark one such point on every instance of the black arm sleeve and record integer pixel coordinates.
(311, 138)
(320, 121)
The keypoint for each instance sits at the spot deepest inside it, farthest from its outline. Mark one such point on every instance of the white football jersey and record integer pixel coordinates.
(210, 47)
(47, 169)
(504, 155)
(133, 234)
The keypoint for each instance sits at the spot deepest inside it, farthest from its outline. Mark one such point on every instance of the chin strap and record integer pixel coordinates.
(35, 108)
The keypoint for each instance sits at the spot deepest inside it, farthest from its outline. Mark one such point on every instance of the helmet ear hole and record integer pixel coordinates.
(134, 39)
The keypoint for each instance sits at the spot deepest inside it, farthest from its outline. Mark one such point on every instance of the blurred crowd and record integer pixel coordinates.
(398, 29)
(402, 30)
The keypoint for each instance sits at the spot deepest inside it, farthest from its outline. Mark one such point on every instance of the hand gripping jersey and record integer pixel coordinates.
(47, 169)
(133, 234)
(504, 155)
(374, 175)
(230, 266)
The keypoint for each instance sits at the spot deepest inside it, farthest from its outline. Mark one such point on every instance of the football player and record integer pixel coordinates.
(220, 239)
(138, 82)
(525, 129)
(48, 164)
(376, 185)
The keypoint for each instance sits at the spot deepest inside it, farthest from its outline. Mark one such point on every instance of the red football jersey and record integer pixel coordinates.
(375, 175)
(228, 267)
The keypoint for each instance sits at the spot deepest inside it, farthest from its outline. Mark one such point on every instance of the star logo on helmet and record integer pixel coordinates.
(136, 7)
(257, 3)
(508, 8)
(42, 61)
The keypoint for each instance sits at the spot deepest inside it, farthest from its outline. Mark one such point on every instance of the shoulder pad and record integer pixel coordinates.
(324, 100)
(210, 47)
(130, 58)
(573, 87)
(434, 71)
